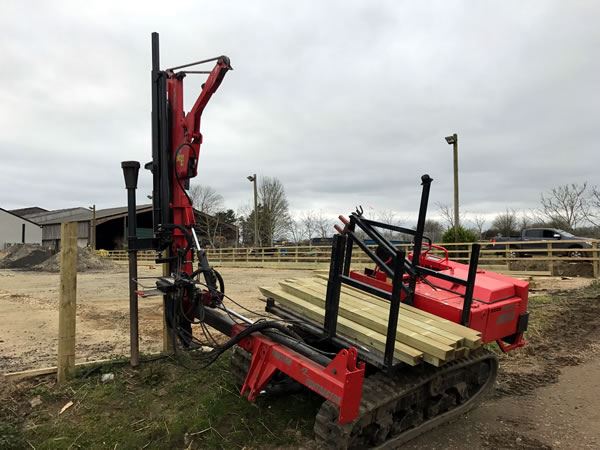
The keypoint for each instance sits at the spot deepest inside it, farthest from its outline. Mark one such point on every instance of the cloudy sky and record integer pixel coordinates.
(346, 102)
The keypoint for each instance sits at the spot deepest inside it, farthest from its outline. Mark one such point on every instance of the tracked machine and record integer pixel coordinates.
(372, 399)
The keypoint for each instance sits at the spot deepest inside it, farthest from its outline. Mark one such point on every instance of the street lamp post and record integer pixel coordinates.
(252, 179)
(453, 140)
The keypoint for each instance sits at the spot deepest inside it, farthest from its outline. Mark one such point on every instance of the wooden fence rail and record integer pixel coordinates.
(544, 254)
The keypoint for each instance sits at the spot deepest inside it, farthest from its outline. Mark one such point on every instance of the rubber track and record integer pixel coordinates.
(239, 365)
(383, 393)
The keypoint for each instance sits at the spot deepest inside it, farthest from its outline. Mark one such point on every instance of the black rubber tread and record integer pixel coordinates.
(384, 394)
(239, 365)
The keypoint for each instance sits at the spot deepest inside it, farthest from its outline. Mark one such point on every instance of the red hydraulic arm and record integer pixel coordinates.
(176, 150)
(185, 144)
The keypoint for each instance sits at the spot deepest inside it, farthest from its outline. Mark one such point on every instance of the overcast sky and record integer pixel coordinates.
(346, 102)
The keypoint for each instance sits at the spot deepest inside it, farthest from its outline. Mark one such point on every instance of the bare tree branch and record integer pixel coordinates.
(506, 223)
(478, 223)
(566, 204)
(206, 200)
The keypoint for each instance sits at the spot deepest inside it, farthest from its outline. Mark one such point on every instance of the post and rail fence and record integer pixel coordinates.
(540, 257)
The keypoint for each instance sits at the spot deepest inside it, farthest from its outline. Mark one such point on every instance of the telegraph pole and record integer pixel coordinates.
(252, 179)
(93, 228)
(453, 140)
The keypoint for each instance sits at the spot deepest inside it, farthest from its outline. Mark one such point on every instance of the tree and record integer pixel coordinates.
(247, 225)
(274, 215)
(388, 216)
(206, 200)
(315, 224)
(447, 213)
(459, 235)
(506, 223)
(296, 230)
(433, 230)
(227, 217)
(593, 212)
(478, 223)
(567, 204)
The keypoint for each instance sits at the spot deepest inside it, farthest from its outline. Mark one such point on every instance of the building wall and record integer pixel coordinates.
(51, 235)
(11, 230)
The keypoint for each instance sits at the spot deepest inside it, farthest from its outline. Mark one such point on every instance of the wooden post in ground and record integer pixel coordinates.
(167, 336)
(67, 302)
(595, 259)
(551, 259)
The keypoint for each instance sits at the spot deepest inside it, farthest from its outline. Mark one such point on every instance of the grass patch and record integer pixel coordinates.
(159, 405)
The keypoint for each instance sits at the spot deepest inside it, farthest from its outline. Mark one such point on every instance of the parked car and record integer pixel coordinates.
(537, 239)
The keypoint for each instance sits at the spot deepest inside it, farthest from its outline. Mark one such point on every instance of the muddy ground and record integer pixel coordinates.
(547, 394)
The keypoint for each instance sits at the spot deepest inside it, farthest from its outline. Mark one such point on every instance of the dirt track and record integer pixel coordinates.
(547, 393)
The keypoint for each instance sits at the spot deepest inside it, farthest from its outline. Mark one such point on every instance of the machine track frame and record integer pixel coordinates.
(396, 408)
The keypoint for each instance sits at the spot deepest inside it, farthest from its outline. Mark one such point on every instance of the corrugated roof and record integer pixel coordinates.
(83, 215)
(107, 213)
(56, 216)
(27, 211)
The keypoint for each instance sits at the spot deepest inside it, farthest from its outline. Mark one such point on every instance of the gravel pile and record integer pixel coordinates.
(87, 260)
(24, 256)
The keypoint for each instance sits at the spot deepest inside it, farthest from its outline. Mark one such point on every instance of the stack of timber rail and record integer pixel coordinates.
(363, 319)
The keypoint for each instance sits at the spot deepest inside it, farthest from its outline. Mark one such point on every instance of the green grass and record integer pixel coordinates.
(159, 405)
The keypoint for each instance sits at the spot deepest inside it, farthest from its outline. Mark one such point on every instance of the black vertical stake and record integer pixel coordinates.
(390, 342)
(349, 245)
(130, 172)
(332, 299)
(426, 183)
(160, 166)
(466, 312)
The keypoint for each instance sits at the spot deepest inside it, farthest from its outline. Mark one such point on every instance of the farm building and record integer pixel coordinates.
(110, 226)
(17, 230)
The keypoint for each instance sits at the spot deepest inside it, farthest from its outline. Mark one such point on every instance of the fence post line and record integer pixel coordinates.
(595, 259)
(67, 302)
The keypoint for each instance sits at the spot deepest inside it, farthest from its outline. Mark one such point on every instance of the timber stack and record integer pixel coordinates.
(420, 337)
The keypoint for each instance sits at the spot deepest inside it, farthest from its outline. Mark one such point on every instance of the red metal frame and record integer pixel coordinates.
(340, 382)
(185, 146)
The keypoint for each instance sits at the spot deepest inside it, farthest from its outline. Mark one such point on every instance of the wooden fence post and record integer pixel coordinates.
(550, 260)
(167, 335)
(67, 302)
(595, 259)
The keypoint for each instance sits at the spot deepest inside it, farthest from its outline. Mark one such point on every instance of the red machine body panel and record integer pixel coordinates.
(498, 300)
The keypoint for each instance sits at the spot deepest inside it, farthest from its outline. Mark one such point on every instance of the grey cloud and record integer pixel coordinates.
(346, 102)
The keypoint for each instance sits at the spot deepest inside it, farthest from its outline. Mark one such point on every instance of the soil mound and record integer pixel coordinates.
(24, 256)
(87, 260)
